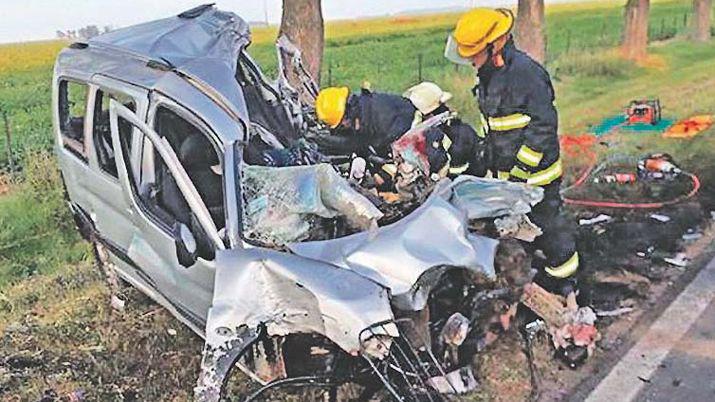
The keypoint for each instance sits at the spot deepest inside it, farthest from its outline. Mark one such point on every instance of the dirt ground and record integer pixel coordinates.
(623, 272)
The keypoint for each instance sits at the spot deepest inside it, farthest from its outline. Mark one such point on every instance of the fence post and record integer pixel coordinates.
(662, 27)
(419, 67)
(685, 20)
(330, 74)
(568, 40)
(8, 141)
(603, 33)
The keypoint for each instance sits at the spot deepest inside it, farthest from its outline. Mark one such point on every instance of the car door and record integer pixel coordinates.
(154, 244)
(111, 206)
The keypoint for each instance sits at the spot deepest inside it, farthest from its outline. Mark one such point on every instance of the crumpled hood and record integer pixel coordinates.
(340, 287)
(408, 256)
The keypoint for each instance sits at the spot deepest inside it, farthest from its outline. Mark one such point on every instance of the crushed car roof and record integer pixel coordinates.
(202, 44)
(204, 33)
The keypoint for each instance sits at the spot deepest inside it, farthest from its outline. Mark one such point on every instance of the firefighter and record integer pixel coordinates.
(519, 122)
(365, 123)
(464, 147)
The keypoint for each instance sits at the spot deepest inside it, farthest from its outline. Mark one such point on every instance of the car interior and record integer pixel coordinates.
(102, 135)
(270, 124)
(72, 111)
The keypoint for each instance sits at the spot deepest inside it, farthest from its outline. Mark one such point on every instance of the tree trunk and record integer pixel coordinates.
(701, 20)
(635, 31)
(530, 29)
(302, 23)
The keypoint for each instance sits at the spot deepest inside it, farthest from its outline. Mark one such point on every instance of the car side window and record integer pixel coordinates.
(199, 159)
(102, 135)
(72, 108)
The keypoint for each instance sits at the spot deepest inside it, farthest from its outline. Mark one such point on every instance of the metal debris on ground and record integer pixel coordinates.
(459, 381)
(660, 218)
(646, 253)
(602, 218)
(691, 234)
(615, 313)
(679, 260)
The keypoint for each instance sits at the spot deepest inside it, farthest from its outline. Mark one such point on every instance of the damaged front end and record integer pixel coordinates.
(398, 309)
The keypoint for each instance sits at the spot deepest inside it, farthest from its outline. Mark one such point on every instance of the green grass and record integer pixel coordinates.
(37, 233)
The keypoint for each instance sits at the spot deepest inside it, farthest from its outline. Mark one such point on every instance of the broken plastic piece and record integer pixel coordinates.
(517, 227)
(455, 330)
(358, 167)
(117, 303)
(598, 219)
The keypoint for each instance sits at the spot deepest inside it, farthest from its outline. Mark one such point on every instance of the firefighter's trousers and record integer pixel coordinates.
(558, 238)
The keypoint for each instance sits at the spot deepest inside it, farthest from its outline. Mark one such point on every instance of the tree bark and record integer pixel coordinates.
(701, 20)
(530, 29)
(302, 23)
(635, 31)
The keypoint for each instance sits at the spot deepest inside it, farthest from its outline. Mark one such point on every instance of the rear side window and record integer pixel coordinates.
(102, 135)
(72, 110)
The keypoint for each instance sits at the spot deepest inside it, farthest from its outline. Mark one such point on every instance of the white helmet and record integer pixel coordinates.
(427, 96)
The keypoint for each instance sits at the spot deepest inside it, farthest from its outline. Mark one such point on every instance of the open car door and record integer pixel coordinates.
(174, 256)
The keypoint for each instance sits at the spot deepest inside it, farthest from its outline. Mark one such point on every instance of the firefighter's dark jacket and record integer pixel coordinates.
(465, 147)
(376, 120)
(517, 103)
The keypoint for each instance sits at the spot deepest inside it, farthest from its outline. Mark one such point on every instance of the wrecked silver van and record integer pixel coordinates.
(295, 275)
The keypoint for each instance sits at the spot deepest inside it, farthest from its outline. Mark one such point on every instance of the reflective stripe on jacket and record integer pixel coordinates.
(517, 103)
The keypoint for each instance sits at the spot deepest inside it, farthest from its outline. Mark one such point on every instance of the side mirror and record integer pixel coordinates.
(185, 245)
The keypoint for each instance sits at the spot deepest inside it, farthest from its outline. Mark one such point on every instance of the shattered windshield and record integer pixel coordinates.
(293, 193)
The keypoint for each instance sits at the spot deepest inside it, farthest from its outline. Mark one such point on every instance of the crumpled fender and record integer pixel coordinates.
(283, 293)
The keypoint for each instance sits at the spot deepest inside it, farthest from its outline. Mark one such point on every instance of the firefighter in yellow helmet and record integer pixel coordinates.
(519, 122)
(364, 123)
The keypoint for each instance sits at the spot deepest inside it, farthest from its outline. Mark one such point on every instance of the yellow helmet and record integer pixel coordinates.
(475, 30)
(330, 105)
